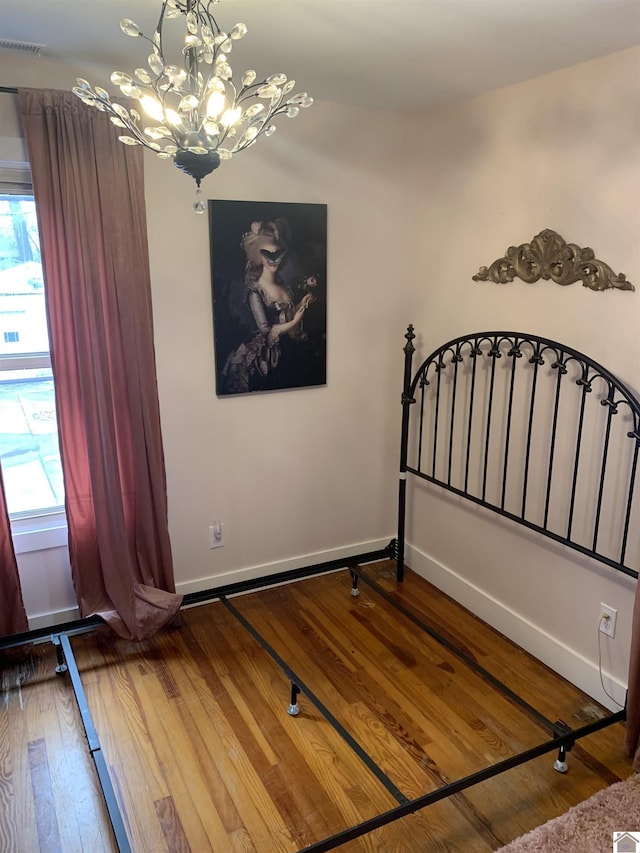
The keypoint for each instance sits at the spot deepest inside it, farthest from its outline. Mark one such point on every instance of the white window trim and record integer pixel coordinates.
(39, 532)
(28, 361)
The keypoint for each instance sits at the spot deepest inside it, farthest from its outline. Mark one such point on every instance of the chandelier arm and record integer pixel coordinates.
(235, 92)
(204, 15)
(141, 138)
(225, 131)
(159, 30)
(223, 135)
(131, 126)
(278, 112)
(248, 142)
(146, 38)
(244, 145)
(162, 98)
(245, 92)
(276, 107)
(191, 63)
(211, 18)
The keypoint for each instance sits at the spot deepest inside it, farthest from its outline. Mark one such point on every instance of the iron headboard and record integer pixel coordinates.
(531, 429)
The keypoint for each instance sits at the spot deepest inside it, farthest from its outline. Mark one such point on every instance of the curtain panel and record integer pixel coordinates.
(13, 618)
(89, 191)
(633, 690)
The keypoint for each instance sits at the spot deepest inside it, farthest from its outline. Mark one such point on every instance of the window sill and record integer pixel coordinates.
(39, 533)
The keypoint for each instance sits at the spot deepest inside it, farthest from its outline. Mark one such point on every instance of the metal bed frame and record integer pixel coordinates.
(466, 405)
(467, 425)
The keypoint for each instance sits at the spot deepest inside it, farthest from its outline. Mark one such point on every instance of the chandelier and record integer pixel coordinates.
(192, 111)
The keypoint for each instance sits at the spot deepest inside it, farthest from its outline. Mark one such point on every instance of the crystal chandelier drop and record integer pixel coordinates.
(194, 113)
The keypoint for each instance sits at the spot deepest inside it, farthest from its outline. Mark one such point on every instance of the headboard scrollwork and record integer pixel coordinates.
(533, 430)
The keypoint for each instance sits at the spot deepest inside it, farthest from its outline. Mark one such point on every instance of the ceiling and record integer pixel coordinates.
(408, 55)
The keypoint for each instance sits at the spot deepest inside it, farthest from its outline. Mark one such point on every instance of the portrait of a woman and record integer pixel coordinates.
(269, 302)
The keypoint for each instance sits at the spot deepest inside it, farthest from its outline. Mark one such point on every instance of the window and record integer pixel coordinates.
(29, 450)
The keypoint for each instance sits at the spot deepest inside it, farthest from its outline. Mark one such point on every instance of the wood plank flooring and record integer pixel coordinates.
(203, 755)
(50, 799)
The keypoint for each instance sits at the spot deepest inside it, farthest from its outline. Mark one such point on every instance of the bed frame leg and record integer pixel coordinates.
(560, 763)
(61, 667)
(354, 583)
(561, 729)
(294, 708)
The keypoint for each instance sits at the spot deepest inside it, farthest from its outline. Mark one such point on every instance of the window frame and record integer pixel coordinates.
(37, 529)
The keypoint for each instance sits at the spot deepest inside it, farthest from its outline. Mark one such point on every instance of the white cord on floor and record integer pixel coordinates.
(615, 701)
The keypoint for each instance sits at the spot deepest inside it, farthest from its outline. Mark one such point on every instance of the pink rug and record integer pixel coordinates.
(590, 826)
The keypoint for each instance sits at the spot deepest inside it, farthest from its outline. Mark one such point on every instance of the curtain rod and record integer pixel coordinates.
(8, 90)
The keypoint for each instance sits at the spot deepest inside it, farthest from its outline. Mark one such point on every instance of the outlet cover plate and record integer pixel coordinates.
(608, 625)
(216, 535)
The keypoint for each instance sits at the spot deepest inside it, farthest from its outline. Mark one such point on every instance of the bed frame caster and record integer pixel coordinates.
(561, 729)
(354, 583)
(560, 764)
(294, 708)
(61, 666)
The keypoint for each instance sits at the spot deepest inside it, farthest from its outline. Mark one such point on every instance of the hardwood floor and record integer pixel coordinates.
(50, 799)
(203, 755)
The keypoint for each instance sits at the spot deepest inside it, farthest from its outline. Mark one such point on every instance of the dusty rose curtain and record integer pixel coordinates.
(90, 196)
(13, 618)
(633, 690)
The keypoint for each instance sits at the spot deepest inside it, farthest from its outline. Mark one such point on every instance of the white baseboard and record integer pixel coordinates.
(561, 658)
(46, 620)
(268, 569)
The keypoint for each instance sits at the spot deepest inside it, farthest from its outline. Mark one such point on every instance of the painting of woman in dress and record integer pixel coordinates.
(268, 264)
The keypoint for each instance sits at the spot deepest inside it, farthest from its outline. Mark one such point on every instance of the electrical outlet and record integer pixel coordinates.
(607, 623)
(216, 535)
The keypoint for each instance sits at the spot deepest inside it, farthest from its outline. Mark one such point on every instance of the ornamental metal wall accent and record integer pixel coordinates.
(549, 256)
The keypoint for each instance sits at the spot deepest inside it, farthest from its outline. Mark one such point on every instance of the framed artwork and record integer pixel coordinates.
(269, 287)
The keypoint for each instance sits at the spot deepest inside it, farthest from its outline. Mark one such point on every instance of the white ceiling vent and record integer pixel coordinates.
(21, 47)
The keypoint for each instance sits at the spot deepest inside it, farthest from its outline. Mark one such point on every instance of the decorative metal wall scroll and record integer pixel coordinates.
(548, 256)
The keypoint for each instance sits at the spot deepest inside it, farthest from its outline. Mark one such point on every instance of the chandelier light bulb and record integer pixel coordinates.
(199, 115)
(230, 117)
(152, 107)
(216, 104)
(172, 119)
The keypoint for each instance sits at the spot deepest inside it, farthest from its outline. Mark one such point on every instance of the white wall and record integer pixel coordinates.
(294, 474)
(298, 476)
(558, 152)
